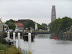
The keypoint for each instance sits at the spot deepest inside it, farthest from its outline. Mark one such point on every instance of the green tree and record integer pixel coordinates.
(44, 24)
(43, 27)
(55, 26)
(11, 24)
(10, 21)
(30, 24)
(59, 25)
(66, 23)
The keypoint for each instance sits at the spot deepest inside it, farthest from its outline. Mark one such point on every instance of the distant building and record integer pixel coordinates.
(19, 26)
(70, 30)
(3, 26)
(23, 21)
(53, 13)
(36, 26)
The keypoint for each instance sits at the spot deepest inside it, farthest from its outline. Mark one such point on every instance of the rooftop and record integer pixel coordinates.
(19, 24)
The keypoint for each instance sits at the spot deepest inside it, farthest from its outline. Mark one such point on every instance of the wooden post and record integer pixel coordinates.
(14, 38)
(18, 41)
(29, 41)
(8, 35)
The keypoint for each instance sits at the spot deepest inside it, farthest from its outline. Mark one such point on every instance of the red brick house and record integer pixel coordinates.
(19, 26)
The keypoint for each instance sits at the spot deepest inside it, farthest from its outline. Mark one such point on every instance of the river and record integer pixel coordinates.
(43, 45)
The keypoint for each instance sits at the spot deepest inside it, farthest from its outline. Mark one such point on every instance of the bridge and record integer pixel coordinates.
(41, 32)
(25, 35)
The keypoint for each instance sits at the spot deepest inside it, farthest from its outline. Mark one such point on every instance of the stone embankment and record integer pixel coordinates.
(63, 36)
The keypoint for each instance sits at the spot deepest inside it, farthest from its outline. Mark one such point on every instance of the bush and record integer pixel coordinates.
(9, 49)
(3, 47)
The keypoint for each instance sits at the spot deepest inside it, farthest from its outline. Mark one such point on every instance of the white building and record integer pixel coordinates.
(36, 26)
(1, 25)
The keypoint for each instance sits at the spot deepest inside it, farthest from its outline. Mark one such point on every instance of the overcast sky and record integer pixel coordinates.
(37, 10)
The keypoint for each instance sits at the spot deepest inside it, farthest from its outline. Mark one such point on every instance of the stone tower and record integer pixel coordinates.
(53, 13)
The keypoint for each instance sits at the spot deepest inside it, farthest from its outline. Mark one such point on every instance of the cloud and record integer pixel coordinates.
(37, 9)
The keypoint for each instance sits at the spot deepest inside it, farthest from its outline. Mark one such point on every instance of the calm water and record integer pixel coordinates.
(42, 44)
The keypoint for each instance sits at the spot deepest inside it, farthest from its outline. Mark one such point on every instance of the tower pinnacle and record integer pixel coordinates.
(53, 13)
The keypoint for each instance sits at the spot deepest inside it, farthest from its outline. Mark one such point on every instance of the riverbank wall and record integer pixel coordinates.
(62, 36)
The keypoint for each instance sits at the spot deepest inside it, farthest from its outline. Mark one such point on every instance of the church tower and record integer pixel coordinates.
(53, 13)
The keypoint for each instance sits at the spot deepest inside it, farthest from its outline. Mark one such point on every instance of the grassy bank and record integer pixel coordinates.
(8, 49)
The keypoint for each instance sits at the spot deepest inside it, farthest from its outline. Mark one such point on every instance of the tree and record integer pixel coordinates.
(43, 27)
(59, 25)
(55, 26)
(44, 24)
(10, 21)
(11, 24)
(66, 23)
(30, 24)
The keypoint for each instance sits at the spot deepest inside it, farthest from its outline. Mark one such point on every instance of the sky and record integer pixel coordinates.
(36, 10)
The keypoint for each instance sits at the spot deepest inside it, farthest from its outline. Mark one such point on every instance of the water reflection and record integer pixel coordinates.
(43, 45)
(42, 36)
(63, 42)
